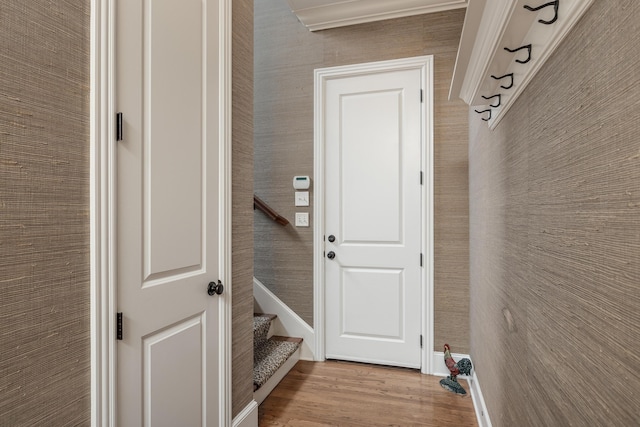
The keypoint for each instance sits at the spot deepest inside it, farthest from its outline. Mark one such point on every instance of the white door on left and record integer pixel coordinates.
(168, 213)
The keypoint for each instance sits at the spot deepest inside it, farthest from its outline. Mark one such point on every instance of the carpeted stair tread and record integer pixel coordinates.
(290, 339)
(270, 316)
(270, 355)
(261, 326)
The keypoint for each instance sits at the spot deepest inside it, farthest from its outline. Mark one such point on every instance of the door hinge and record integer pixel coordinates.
(421, 96)
(420, 341)
(421, 260)
(421, 178)
(119, 127)
(119, 326)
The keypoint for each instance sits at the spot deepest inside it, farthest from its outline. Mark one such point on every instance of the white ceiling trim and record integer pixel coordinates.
(324, 14)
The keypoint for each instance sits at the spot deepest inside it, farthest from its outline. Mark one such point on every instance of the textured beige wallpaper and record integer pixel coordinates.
(286, 54)
(555, 235)
(44, 213)
(242, 211)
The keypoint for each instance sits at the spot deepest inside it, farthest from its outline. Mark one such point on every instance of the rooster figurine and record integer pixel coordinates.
(462, 367)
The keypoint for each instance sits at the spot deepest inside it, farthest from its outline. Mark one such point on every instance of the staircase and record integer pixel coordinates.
(273, 356)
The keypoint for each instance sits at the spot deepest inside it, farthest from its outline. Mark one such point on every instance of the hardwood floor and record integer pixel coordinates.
(352, 394)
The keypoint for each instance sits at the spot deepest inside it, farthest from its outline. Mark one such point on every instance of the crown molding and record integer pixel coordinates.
(492, 25)
(324, 14)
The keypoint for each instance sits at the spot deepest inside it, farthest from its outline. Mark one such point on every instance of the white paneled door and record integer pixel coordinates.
(373, 140)
(168, 213)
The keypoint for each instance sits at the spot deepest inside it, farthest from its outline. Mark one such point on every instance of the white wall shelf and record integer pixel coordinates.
(492, 25)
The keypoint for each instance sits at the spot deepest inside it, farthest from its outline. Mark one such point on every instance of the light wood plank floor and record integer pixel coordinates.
(352, 394)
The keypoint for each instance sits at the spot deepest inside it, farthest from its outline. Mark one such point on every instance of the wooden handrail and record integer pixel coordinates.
(268, 211)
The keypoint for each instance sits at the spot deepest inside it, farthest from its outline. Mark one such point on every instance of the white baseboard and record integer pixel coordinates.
(479, 403)
(288, 323)
(440, 368)
(248, 417)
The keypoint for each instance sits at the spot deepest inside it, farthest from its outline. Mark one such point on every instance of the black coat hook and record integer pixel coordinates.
(555, 5)
(499, 96)
(528, 47)
(484, 111)
(502, 77)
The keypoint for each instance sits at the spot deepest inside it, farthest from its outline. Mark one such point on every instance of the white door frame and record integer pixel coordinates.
(425, 65)
(103, 208)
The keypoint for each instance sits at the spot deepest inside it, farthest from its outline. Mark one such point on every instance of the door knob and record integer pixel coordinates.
(331, 255)
(215, 288)
(332, 238)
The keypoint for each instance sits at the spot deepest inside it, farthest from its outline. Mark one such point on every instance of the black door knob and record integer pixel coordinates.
(215, 288)
(331, 255)
(332, 238)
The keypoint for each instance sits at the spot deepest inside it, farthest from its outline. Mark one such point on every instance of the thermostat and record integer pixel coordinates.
(301, 182)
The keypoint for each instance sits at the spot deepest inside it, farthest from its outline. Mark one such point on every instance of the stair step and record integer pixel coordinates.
(273, 356)
(270, 316)
(261, 326)
(269, 356)
(260, 394)
(289, 339)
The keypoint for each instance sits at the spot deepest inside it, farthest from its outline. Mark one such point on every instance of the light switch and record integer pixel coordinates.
(302, 219)
(302, 198)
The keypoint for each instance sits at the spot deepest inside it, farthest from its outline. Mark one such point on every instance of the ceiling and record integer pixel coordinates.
(324, 14)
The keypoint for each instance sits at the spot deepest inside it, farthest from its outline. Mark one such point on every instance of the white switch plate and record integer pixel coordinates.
(302, 219)
(302, 198)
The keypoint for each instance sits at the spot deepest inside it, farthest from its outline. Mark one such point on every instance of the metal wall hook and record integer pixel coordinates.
(499, 96)
(528, 47)
(502, 77)
(555, 5)
(484, 111)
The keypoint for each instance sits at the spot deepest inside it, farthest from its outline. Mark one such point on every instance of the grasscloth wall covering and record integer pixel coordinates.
(286, 54)
(242, 211)
(44, 213)
(555, 235)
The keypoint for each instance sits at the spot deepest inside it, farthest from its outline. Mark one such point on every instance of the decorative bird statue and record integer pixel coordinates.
(462, 367)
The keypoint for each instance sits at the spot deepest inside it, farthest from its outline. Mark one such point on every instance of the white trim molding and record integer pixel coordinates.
(489, 28)
(324, 14)
(102, 217)
(425, 64)
(225, 106)
(428, 168)
(248, 417)
(478, 402)
(288, 323)
(318, 219)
